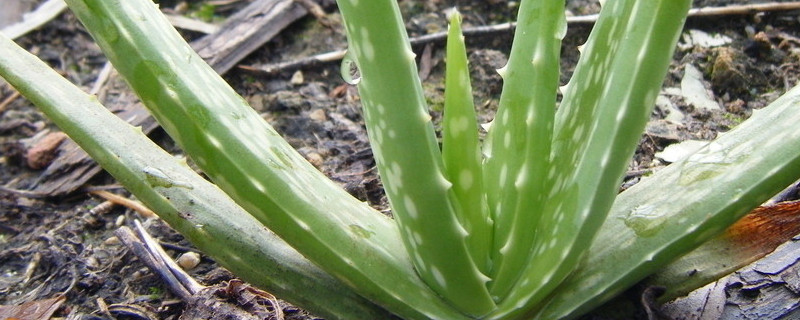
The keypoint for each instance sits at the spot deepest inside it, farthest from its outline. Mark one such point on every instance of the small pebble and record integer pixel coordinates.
(297, 78)
(181, 7)
(315, 159)
(111, 241)
(189, 260)
(318, 115)
(120, 220)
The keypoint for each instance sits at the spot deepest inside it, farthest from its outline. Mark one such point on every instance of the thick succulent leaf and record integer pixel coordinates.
(519, 140)
(247, 159)
(188, 202)
(461, 148)
(749, 239)
(598, 125)
(685, 204)
(408, 156)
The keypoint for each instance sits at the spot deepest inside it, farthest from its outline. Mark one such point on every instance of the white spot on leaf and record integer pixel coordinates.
(411, 208)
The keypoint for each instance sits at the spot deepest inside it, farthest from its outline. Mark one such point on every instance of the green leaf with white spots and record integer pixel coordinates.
(408, 156)
(188, 202)
(685, 204)
(520, 139)
(461, 148)
(522, 235)
(598, 125)
(247, 159)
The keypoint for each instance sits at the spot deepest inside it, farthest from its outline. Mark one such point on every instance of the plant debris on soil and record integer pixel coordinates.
(52, 247)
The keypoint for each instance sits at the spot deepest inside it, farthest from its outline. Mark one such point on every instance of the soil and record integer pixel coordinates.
(66, 245)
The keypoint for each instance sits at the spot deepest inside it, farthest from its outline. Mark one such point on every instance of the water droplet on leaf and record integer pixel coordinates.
(645, 220)
(157, 178)
(708, 162)
(360, 231)
(349, 69)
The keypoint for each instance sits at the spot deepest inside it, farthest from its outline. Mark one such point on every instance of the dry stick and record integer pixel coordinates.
(102, 208)
(198, 297)
(186, 23)
(744, 9)
(334, 56)
(186, 281)
(100, 86)
(8, 100)
(32, 265)
(122, 201)
(138, 245)
(316, 10)
(23, 193)
(221, 2)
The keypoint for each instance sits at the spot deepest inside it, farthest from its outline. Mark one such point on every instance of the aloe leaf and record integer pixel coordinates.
(247, 159)
(461, 147)
(749, 239)
(408, 156)
(519, 140)
(685, 204)
(598, 125)
(185, 200)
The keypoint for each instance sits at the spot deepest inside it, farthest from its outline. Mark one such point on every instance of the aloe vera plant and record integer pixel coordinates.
(526, 224)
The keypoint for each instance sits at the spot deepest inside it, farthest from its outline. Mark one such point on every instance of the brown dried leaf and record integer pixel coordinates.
(765, 228)
(39, 309)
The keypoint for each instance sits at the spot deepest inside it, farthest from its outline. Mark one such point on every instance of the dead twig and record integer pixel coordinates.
(120, 200)
(32, 265)
(190, 24)
(744, 9)
(219, 3)
(316, 10)
(150, 253)
(113, 186)
(101, 83)
(8, 100)
(202, 301)
(102, 208)
(337, 55)
(24, 193)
